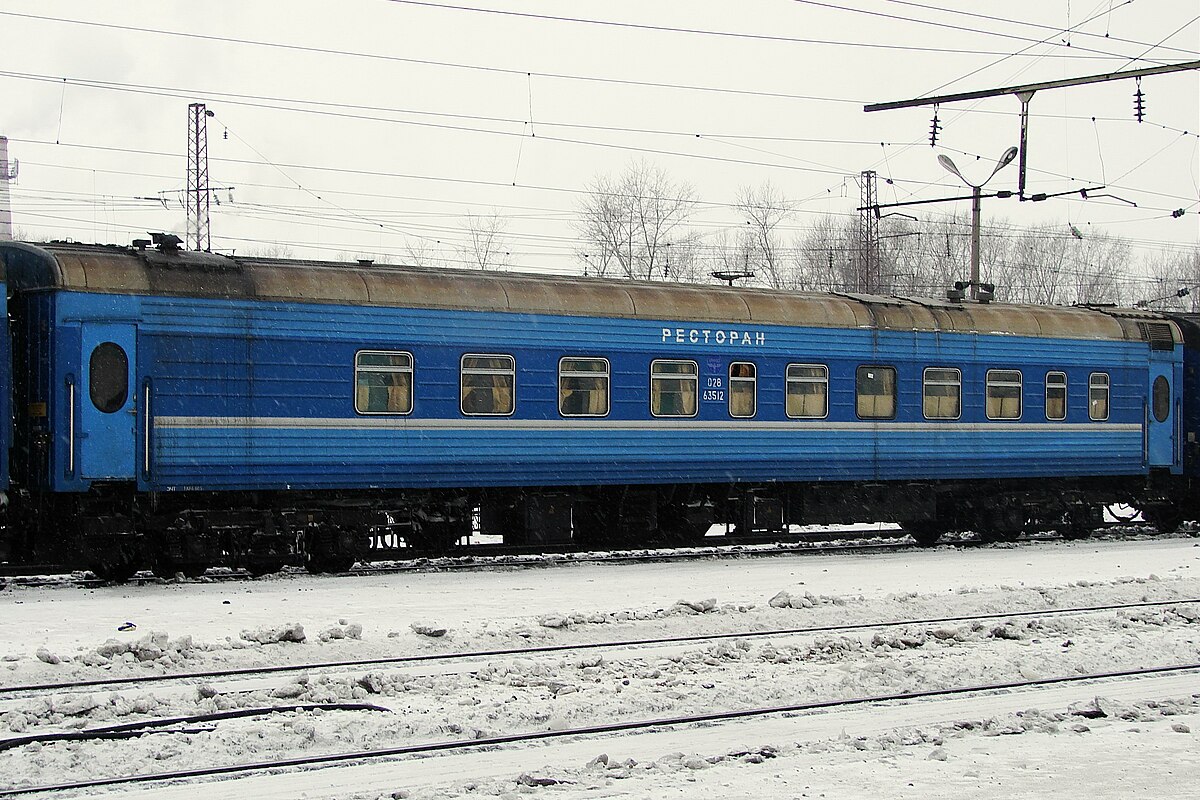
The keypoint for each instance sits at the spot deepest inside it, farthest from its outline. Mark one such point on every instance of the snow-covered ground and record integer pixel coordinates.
(1137, 740)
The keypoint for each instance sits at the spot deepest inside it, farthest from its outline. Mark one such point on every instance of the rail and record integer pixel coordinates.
(589, 730)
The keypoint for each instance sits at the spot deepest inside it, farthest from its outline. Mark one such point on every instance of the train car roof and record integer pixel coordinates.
(148, 271)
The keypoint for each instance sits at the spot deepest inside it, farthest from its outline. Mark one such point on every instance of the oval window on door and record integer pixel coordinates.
(1161, 399)
(108, 377)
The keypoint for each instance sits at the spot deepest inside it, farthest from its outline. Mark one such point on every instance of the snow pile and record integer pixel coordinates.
(430, 629)
(290, 632)
(679, 608)
(343, 630)
(608, 776)
(155, 648)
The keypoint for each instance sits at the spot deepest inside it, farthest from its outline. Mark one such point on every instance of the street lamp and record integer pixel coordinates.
(976, 193)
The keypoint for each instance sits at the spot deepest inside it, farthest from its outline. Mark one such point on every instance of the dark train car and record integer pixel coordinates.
(6, 383)
(175, 408)
(1182, 501)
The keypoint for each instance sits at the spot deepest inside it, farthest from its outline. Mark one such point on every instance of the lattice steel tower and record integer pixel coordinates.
(8, 172)
(199, 235)
(867, 277)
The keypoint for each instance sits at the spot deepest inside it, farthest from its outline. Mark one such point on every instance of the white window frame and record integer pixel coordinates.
(754, 385)
(695, 377)
(1107, 387)
(895, 392)
(1019, 383)
(1066, 394)
(463, 371)
(956, 383)
(787, 377)
(607, 375)
(412, 386)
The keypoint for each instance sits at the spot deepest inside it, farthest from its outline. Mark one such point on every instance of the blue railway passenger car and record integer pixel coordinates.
(174, 408)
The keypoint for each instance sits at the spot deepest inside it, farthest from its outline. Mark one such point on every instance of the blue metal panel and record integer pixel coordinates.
(468, 456)
(260, 395)
(106, 438)
(6, 388)
(56, 390)
(1162, 447)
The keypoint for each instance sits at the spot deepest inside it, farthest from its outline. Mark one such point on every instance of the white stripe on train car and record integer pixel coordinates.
(604, 424)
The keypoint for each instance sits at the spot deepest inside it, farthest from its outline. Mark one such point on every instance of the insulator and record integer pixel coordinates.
(933, 130)
(1139, 102)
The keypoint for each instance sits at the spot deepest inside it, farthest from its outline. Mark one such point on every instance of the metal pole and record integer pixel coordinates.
(1024, 97)
(6, 230)
(975, 204)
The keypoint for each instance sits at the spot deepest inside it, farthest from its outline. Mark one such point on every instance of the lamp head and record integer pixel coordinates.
(949, 165)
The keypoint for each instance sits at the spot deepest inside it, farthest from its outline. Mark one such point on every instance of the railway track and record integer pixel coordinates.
(489, 556)
(620, 727)
(649, 650)
(469, 658)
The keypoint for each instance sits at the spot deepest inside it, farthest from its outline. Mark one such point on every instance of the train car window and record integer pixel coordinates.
(1098, 396)
(1160, 399)
(1056, 395)
(1003, 394)
(807, 391)
(875, 392)
(383, 382)
(108, 377)
(673, 386)
(942, 390)
(583, 387)
(743, 392)
(487, 385)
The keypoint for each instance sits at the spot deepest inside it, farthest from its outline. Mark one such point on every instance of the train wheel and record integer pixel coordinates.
(437, 537)
(1079, 523)
(1166, 518)
(594, 527)
(167, 568)
(327, 549)
(925, 533)
(997, 535)
(684, 525)
(320, 565)
(117, 566)
(1003, 525)
(264, 565)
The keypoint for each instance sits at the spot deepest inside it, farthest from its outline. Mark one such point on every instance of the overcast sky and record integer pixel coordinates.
(363, 126)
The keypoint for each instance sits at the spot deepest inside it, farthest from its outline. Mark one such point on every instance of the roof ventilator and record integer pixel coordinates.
(985, 292)
(166, 242)
(1158, 334)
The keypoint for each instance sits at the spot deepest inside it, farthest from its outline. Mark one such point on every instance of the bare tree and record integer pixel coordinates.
(823, 257)
(275, 250)
(730, 251)
(630, 223)
(423, 253)
(486, 246)
(765, 209)
(1174, 281)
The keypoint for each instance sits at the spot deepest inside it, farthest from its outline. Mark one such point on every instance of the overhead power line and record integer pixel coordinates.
(336, 109)
(1054, 29)
(955, 28)
(765, 37)
(522, 73)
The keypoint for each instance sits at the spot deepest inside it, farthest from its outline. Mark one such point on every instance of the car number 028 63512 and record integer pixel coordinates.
(714, 391)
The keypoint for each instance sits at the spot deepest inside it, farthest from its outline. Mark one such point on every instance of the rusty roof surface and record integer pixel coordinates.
(112, 269)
